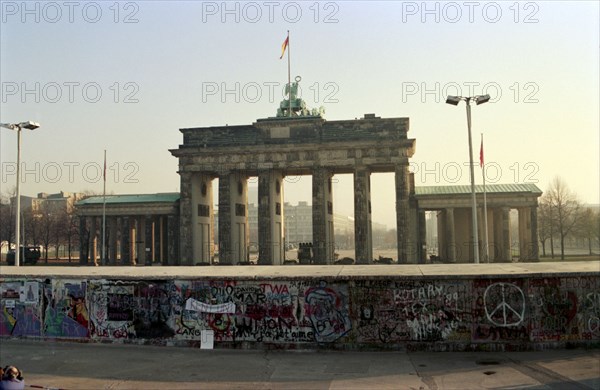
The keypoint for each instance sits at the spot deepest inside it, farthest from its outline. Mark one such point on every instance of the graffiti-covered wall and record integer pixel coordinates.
(440, 314)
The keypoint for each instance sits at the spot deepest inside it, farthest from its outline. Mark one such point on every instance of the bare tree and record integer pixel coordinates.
(565, 209)
(30, 224)
(46, 223)
(71, 230)
(588, 227)
(545, 223)
(59, 228)
(7, 218)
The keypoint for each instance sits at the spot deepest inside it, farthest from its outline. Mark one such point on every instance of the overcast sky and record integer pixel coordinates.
(125, 76)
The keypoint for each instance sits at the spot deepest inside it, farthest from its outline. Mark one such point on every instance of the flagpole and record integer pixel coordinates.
(485, 243)
(103, 259)
(289, 76)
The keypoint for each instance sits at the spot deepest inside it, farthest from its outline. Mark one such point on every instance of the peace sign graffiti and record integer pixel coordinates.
(504, 304)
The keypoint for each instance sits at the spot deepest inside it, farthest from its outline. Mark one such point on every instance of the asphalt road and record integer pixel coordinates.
(70, 366)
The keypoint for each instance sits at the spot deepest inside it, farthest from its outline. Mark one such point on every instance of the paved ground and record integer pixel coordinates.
(98, 366)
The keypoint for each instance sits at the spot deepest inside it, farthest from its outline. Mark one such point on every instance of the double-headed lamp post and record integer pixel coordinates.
(454, 100)
(18, 126)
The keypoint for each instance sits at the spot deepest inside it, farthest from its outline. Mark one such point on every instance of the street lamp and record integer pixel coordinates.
(29, 125)
(454, 100)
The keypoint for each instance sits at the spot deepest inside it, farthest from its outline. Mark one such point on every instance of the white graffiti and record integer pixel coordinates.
(593, 299)
(507, 303)
(223, 308)
(594, 324)
(424, 326)
(593, 311)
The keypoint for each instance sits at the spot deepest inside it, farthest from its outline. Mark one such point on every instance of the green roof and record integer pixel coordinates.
(489, 188)
(166, 197)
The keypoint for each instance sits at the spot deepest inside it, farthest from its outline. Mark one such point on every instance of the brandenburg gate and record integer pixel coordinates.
(271, 149)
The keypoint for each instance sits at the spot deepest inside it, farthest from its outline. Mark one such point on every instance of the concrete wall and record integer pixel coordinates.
(424, 313)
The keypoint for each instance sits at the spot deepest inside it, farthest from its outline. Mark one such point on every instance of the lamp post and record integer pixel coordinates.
(18, 126)
(480, 99)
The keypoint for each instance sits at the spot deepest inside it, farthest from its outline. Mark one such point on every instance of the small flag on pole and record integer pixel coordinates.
(284, 46)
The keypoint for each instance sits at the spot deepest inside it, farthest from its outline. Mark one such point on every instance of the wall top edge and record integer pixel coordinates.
(297, 272)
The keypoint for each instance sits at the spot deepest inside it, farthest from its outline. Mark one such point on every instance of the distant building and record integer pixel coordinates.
(59, 202)
(298, 225)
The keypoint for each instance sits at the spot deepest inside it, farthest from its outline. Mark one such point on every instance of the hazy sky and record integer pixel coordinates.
(125, 76)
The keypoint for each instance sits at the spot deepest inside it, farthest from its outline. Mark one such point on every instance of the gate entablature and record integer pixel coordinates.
(296, 145)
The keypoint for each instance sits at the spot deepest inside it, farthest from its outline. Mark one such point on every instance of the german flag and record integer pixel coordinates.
(284, 46)
(481, 153)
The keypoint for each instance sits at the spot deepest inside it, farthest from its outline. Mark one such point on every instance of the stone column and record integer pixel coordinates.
(185, 212)
(233, 219)
(156, 239)
(496, 249)
(527, 240)
(225, 212)
(133, 248)
(135, 240)
(422, 244)
(322, 216)
(202, 219)
(441, 234)
(93, 240)
(160, 238)
(523, 232)
(147, 231)
(112, 240)
(172, 240)
(83, 241)
(102, 242)
(402, 212)
(502, 235)
(125, 241)
(270, 218)
(166, 240)
(363, 238)
(140, 242)
(450, 236)
(506, 234)
(535, 243)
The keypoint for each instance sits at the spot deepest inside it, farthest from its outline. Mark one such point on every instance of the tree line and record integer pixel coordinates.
(50, 227)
